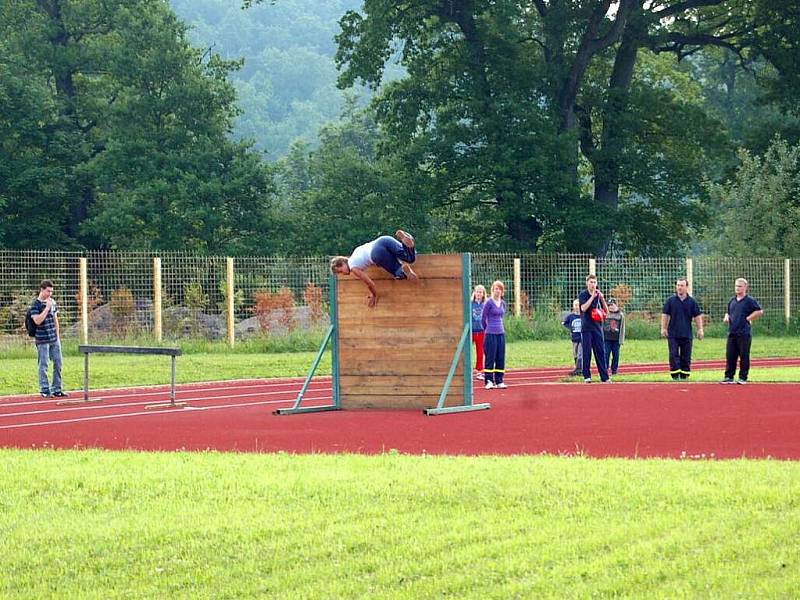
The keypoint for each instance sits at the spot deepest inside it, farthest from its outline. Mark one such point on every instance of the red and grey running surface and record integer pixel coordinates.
(538, 413)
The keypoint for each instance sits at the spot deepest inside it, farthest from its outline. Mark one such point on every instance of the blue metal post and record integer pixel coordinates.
(463, 351)
(330, 336)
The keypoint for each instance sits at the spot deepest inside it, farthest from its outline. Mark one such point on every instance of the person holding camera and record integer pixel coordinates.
(44, 312)
(593, 312)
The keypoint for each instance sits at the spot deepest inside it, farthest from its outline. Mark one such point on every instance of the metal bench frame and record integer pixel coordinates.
(95, 349)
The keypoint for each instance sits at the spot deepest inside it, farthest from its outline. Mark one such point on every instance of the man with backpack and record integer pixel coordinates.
(44, 315)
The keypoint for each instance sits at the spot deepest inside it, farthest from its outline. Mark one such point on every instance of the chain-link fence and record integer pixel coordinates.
(21, 272)
(275, 295)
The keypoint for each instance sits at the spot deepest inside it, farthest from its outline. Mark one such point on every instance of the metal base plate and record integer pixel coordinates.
(456, 409)
(305, 409)
(78, 401)
(166, 405)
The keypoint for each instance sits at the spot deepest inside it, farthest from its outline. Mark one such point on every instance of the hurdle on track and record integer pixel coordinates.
(141, 350)
(412, 350)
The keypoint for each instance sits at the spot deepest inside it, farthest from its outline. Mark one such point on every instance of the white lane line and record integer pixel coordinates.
(74, 408)
(95, 394)
(152, 413)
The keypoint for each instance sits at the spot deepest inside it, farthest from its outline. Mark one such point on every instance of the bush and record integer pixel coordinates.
(533, 328)
(275, 309)
(312, 296)
(123, 310)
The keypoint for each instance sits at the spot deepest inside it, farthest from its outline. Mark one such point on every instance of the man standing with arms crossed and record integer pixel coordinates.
(742, 311)
(676, 326)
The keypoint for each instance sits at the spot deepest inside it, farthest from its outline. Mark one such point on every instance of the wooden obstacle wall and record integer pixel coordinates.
(398, 354)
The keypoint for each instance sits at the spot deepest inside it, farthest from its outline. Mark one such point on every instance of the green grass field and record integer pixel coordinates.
(95, 524)
(92, 524)
(211, 363)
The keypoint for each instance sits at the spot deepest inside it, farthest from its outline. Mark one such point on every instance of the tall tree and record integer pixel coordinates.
(344, 193)
(541, 111)
(135, 134)
(759, 207)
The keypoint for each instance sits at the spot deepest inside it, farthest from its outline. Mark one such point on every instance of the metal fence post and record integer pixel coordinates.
(230, 315)
(787, 289)
(690, 275)
(593, 267)
(84, 287)
(517, 287)
(158, 325)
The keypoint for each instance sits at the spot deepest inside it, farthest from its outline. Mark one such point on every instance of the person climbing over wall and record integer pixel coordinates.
(393, 254)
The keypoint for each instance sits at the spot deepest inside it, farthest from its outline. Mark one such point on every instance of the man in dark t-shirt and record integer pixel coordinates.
(591, 300)
(742, 311)
(676, 326)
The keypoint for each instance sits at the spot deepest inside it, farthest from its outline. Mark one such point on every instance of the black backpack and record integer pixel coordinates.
(30, 324)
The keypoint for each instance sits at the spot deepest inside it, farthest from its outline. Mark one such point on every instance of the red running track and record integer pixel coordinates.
(534, 415)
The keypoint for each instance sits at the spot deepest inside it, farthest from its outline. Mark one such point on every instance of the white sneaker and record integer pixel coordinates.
(479, 376)
(410, 274)
(501, 386)
(587, 380)
(489, 385)
(405, 238)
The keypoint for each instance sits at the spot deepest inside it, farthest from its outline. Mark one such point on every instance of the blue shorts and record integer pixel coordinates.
(388, 252)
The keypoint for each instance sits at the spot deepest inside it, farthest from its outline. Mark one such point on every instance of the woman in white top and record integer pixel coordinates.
(394, 254)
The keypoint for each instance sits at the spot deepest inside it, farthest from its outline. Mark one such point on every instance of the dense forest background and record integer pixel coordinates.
(300, 127)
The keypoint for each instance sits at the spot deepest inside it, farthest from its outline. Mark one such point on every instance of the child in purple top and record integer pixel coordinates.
(494, 341)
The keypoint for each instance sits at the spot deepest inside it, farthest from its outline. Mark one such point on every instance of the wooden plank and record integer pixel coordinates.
(357, 330)
(387, 325)
(428, 286)
(401, 354)
(400, 370)
(348, 322)
(350, 401)
(399, 315)
(403, 361)
(398, 388)
(399, 298)
(402, 292)
(387, 346)
(426, 266)
(410, 380)
(392, 386)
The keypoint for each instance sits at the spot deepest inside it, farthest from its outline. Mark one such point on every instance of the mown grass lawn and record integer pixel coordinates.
(94, 524)
(18, 369)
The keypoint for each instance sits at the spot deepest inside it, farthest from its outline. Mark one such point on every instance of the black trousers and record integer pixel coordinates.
(680, 357)
(592, 341)
(494, 361)
(738, 348)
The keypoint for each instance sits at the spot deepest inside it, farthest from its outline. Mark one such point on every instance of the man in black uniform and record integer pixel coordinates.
(742, 310)
(593, 311)
(676, 326)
